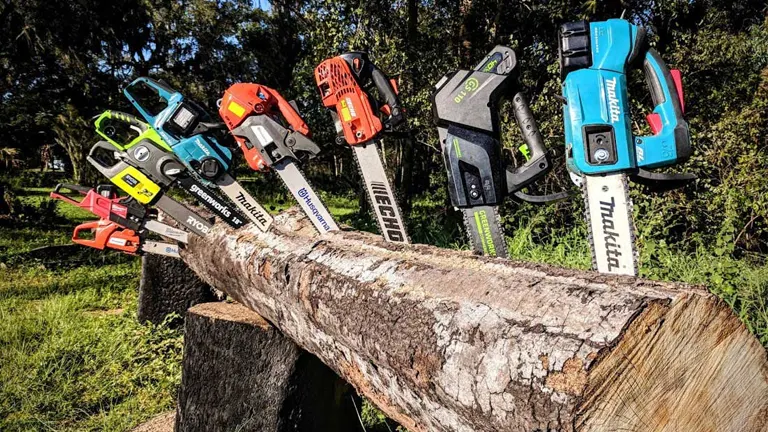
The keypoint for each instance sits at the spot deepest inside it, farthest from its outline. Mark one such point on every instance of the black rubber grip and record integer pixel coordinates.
(528, 127)
(72, 187)
(385, 87)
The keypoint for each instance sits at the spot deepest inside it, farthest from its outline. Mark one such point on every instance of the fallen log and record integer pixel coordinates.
(442, 340)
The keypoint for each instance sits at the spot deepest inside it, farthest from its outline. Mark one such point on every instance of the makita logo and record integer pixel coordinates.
(387, 210)
(197, 224)
(202, 147)
(251, 208)
(305, 195)
(613, 102)
(211, 201)
(611, 237)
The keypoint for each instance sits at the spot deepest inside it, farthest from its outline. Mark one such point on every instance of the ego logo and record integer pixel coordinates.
(471, 85)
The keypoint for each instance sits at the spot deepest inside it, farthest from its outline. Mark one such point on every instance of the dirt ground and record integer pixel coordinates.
(161, 423)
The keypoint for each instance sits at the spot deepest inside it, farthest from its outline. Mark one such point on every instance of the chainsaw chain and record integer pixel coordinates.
(377, 142)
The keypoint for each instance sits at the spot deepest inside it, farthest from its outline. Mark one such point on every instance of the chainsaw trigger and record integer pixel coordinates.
(678, 79)
(654, 121)
(299, 143)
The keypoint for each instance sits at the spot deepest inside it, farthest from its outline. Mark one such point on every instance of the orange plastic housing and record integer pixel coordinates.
(243, 100)
(341, 92)
(108, 235)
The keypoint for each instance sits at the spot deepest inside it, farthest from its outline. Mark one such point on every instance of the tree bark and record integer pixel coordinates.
(241, 374)
(443, 340)
(168, 286)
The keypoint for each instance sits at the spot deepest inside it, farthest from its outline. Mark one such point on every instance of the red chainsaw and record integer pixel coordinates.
(124, 211)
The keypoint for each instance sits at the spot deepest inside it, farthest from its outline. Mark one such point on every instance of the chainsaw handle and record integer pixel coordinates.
(289, 113)
(128, 119)
(388, 92)
(72, 187)
(667, 121)
(161, 88)
(537, 159)
(57, 194)
(88, 226)
(529, 128)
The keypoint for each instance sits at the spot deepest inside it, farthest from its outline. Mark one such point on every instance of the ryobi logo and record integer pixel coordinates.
(613, 102)
(471, 85)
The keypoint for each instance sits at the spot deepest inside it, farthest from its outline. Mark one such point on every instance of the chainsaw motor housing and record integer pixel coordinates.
(344, 82)
(182, 124)
(256, 117)
(594, 61)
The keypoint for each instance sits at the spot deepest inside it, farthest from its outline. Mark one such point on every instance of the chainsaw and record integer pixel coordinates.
(254, 115)
(151, 155)
(110, 235)
(344, 83)
(602, 154)
(187, 128)
(126, 212)
(143, 189)
(465, 107)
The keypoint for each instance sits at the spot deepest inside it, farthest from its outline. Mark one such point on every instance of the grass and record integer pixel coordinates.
(75, 358)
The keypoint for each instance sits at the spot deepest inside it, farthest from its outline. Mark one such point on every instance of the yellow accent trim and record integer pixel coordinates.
(236, 108)
(136, 184)
(345, 114)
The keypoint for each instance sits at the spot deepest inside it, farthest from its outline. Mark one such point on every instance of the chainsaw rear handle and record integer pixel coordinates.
(71, 187)
(290, 114)
(128, 119)
(538, 161)
(667, 104)
(391, 102)
(125, 176)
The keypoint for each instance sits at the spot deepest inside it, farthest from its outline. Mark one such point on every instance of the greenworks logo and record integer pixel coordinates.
(484, 231)
(471, 85)
(456, 147)
(491, 65)
(526, 151)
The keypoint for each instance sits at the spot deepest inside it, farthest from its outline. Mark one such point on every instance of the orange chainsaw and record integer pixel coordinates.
(256, 116)
(345, 83)
(110, 235)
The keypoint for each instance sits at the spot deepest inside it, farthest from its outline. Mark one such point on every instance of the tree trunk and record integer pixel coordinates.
(168, 286)
(442, 340)
(242, 374)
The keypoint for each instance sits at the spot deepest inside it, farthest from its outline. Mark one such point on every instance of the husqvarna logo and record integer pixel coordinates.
(613, 102)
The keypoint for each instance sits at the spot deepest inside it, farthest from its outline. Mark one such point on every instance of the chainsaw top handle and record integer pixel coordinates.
(666, 121)
(71, 187)
(364, 70)
(105, 128)
(537, 159)
(145, 87)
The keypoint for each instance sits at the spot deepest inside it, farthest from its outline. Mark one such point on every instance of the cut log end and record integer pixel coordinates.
(687, 366)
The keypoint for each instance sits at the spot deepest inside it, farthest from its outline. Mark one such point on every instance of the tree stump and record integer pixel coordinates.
(241, 374)
(168, 286)
(444, 340)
